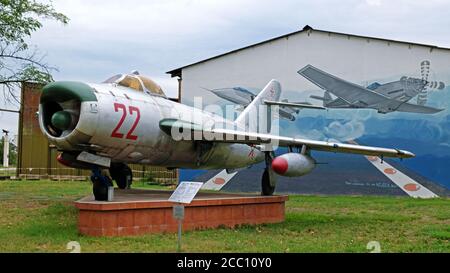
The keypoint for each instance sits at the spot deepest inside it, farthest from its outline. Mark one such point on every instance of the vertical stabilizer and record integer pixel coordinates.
(248, 119)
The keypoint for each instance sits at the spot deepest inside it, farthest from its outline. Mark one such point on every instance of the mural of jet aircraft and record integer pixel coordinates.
(243, 97)
(384, 98)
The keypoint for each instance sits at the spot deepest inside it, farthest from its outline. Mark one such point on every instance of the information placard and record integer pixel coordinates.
(185, 192)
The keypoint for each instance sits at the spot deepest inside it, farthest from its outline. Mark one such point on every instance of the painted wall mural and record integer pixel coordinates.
(375, 93)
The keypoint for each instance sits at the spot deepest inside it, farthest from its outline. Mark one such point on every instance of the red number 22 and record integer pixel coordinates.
(115, 132)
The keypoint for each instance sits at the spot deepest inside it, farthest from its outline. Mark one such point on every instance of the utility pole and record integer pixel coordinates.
(5, 149)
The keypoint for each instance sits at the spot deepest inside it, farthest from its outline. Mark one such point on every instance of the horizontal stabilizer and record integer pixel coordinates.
(317, 97)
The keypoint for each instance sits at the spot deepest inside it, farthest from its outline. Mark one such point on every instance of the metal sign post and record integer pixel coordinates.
(178, 214)
(183, 194)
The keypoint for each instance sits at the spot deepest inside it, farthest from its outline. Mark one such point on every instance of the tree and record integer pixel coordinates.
(19, 62)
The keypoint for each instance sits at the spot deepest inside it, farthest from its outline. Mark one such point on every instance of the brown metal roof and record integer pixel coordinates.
(177, 71)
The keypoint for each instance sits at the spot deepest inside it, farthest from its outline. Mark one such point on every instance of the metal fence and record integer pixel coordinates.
(7, 172)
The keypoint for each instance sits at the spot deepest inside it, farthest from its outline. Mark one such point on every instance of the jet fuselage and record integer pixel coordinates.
(123, 124)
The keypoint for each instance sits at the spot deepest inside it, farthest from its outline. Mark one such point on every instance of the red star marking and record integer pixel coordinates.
(251, 154)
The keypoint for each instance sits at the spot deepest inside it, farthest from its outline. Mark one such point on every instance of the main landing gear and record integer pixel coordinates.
(268, 181)
(122, 174)
(101, 181)
(266, 187)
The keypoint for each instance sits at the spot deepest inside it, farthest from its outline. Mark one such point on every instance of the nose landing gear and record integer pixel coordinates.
(119, 172)
(101, 183)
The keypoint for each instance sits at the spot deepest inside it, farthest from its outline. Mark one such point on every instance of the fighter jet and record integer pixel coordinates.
(129, 119)
(243, 97)
(384, 98)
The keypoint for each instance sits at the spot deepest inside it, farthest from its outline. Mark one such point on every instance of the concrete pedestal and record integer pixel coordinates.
(136, 212)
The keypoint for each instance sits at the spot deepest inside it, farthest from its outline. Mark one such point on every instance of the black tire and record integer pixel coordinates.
(100, 190)
(266, 188)
(122, 174)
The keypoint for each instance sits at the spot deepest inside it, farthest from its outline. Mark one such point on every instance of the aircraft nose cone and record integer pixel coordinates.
(61, 120)
(279, 165)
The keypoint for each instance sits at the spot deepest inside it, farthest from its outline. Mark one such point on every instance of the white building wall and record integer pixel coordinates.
(355, 59)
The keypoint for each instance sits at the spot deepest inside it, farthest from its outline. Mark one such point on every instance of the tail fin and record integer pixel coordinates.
(325, 99)
(271, 92)
(327, 96)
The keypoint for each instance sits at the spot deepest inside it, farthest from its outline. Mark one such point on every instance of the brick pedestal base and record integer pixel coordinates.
(135, 212)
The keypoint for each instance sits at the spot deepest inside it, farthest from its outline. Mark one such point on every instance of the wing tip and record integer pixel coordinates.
(405, 154)
(301, 70)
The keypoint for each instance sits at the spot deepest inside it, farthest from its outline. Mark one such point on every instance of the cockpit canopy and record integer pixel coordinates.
(137, 82)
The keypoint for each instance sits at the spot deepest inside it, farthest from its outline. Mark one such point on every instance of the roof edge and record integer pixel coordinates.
(177, 71)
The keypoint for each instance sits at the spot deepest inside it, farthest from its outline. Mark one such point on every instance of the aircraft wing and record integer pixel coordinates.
(293, 105)
(338, 103)
(349, 92)
(170, 126)
(414, 108)
(236, 95)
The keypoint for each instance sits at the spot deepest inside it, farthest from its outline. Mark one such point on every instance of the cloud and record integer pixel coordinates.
(373, 2)
(107, 37)
(350, 130)
(104, 38)
(324, 130)
(9, 121)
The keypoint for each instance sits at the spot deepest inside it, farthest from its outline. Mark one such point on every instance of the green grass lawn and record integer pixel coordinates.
(38, 216)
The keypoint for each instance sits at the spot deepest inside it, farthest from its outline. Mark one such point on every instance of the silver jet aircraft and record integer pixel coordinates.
(384, 98)
(128, 119)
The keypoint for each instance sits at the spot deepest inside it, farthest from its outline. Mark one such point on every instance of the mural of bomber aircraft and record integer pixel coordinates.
(385, 98)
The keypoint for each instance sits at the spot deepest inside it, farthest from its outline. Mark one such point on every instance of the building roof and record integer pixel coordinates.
(177, 71)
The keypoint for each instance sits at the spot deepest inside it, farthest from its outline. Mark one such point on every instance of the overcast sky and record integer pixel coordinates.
(104, 38)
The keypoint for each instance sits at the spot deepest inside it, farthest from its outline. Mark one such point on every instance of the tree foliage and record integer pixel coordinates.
(18, 61)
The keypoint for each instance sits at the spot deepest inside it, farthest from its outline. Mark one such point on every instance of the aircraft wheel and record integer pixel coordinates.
(100, 187)
(122, 174)
(267, 189)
